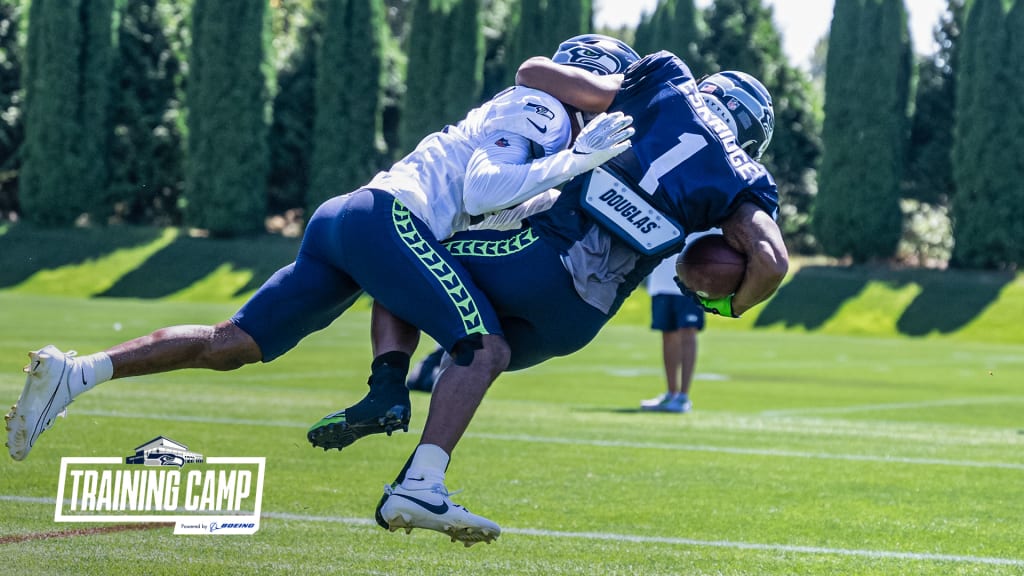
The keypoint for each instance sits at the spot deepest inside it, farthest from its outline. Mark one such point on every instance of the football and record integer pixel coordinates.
(710, 267)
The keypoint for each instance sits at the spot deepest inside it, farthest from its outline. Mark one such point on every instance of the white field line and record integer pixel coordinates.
(670, 541)
(903, 432)
(747, 451)
(611, 443)
(898, 406)
(931, 434)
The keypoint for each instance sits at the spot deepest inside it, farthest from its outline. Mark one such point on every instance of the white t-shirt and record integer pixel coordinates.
(483, 164)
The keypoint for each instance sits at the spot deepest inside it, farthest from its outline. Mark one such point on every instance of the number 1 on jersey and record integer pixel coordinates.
(689, 144)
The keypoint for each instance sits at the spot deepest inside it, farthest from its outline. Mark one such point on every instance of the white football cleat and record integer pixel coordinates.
(430, 507)
(46, 395)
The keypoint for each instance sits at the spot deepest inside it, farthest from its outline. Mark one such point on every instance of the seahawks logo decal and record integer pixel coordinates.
(539, 109)
(597, 62)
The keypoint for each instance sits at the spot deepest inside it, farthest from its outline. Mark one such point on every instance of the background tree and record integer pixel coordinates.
(298, 35)
(346, 151)
(857, 211)
(1013, 216)
(96, 94)
(565, 19)
(424, 73)
(985, 148)
(885, 60)
(445, 71)
(676, 26)
(67, 130)
(496, 19)
(148, 148)
(464, 61)
(929, 163)
(742, 36)
(225, 184)
(795, 154)
(831, 220)
(11, 95)
(928, 181)
(539, 26)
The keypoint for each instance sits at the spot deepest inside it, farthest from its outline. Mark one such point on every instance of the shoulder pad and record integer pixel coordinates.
(532, 114)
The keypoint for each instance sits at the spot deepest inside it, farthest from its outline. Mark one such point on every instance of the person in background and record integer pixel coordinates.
(679, 319)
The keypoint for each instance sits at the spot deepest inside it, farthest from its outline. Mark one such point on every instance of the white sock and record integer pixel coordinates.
(94, 369)
(429, 462)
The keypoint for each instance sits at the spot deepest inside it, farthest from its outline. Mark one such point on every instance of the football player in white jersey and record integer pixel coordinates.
(383, 239)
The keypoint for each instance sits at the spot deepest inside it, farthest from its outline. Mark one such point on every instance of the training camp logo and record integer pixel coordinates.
(164, 482)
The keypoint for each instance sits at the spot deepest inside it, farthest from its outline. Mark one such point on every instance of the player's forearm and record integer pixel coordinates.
(573, 86)
(766, 269)
(492, 186)
(753, 232)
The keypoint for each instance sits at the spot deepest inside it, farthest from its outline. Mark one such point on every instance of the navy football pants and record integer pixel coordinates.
(366, 240)
(525, 281)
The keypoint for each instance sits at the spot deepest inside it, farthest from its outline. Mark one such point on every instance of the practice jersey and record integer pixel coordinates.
(684, 161)
(521, 122)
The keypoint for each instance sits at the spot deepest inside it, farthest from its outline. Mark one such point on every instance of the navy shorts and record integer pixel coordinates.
(366, 240)
(670, 312)
(522, 275)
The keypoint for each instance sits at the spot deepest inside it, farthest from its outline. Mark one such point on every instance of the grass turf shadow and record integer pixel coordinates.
(948, 300)
(27, 249)
(811, 297)
(188, 260)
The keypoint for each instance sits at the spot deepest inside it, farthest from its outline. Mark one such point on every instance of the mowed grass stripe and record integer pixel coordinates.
(639, 539)
(514, 438)
(955, 402)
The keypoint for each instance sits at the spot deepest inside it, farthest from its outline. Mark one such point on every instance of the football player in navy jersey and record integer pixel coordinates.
(693, 166)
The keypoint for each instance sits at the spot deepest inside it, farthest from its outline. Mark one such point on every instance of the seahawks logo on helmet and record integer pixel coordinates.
(597, 53)
(600, 63)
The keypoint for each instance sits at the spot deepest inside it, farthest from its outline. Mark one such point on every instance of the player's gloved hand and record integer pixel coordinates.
(717, 306)
(603, 138)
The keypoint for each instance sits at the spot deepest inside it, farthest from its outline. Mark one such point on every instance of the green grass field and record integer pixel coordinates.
(808, 453)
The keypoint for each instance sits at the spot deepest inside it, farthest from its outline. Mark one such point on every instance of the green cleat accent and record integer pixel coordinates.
(384, 409)
(335, 431)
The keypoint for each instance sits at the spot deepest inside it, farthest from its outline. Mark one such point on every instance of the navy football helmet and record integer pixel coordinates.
(597, 53)
(745, 105)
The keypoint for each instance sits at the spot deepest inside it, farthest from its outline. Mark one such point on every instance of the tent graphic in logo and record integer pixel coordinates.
(162, 451)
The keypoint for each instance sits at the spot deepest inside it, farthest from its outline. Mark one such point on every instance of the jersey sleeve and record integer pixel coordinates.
(504, 173)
